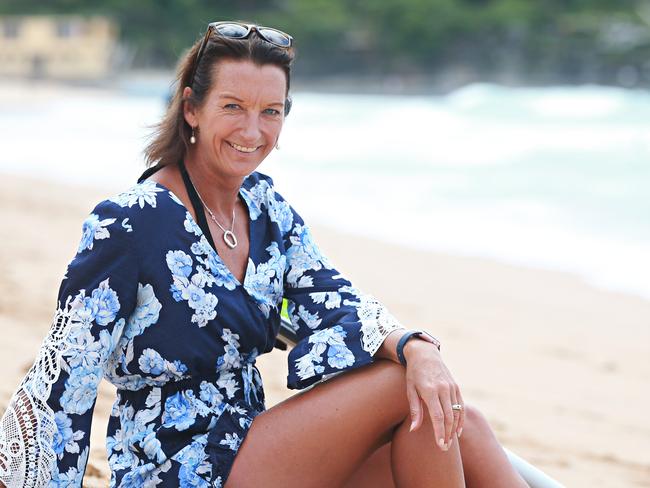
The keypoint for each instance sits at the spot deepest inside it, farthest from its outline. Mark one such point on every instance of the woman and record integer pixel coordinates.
(176, 289)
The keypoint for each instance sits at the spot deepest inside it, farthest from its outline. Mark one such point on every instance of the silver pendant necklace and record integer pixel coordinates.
(228, 235)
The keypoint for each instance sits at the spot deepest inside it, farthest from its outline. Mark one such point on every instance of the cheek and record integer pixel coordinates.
(220, 132)
(272, 129)
(221, 126)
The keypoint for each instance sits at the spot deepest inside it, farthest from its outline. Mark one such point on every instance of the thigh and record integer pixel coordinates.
(321, 436)
(374, 472)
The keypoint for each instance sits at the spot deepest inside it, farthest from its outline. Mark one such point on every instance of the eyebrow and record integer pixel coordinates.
(237, 99)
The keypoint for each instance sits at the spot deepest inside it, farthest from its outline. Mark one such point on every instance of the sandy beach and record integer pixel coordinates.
(561, 369)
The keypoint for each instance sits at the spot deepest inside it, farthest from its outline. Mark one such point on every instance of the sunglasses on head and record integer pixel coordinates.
(238, 30)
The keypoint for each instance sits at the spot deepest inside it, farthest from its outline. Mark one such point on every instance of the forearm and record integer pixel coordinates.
(388, 349)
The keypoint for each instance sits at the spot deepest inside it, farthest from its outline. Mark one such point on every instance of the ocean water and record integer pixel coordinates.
(555, 178)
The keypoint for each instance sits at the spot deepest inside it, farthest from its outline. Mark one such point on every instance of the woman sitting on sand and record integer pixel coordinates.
(177, 287)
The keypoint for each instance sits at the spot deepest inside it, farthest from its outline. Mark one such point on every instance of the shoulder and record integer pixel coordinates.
(121, 211)
(139, 196)
(146, 201)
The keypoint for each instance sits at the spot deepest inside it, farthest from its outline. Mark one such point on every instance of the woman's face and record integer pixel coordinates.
(241, 118)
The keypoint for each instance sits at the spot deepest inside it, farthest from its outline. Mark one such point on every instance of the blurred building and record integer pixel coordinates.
(58, 47)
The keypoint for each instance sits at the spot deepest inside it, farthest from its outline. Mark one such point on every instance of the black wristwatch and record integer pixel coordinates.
(409, 335)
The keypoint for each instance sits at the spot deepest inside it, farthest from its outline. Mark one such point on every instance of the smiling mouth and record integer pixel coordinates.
(243, 149)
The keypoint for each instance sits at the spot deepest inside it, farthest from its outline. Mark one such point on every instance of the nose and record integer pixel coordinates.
(251, 132)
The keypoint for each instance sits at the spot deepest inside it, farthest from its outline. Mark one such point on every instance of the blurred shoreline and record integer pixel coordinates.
(553, 363)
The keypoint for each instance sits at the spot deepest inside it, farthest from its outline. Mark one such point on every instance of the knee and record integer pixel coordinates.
(475, 422)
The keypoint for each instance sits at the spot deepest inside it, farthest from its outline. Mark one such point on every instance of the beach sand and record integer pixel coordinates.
(559, 368)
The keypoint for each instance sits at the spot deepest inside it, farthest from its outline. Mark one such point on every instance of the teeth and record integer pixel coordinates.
(243, 148)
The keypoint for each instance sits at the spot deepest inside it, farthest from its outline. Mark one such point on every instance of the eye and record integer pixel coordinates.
(231, 106)
(271, 111)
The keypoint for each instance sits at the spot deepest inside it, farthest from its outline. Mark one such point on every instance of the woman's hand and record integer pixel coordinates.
(429, 381)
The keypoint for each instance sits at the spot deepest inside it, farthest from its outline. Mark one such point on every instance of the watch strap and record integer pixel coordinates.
(402, 342)
(425, 336)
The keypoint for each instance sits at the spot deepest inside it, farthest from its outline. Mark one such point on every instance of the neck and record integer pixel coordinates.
(218, 192)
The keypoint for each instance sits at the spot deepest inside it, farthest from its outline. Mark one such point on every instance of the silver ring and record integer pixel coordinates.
(457, 406)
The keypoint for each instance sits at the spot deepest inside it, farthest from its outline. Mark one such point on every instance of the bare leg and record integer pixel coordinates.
(484, 461)
(408, 458)
(318, 438)
(375, 472)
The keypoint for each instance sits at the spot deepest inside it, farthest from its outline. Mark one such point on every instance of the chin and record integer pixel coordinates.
(243, 169)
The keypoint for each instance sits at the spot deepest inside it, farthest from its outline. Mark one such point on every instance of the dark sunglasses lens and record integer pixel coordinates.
(275, 37)
(234, 31)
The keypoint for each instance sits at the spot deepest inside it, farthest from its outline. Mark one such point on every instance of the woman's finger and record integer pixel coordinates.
(461, 419)
(445, 401)
(415, 407)
(437, 415)
(453, 393)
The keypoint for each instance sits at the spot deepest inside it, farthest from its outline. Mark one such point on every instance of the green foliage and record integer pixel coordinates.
(536, 39)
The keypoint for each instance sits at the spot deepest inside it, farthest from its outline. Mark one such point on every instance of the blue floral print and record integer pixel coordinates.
(101, 307)
(141, 195)
(210, 394)
(73, 477)
(151, 306)
(92, 229)
(65, 439)
(180, 411)
(151, 362)
(190, 288)
(339, 357)
(194, 463)
(146, 312)
(179, 263)
(231, 440)
(80, 390)
(126, 225)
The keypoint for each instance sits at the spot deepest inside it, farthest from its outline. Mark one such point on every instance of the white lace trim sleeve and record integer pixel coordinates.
(376, 323)
(28, 427)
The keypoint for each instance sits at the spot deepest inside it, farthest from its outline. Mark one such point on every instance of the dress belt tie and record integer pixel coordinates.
(247, 375)
(246, 370)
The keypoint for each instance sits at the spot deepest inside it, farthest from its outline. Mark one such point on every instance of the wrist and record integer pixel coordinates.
(413, 337)
(388, 348)
(412, 346)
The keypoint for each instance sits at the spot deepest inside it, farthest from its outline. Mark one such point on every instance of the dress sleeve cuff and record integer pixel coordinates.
(376, 323)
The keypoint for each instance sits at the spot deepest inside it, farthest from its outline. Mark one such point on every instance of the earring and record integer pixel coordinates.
(277, 146)
(192, 137)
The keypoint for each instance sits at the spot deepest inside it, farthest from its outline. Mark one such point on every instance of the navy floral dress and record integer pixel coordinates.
(148, 304)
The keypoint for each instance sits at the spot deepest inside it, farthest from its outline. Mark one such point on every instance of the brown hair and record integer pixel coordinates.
(170, 139)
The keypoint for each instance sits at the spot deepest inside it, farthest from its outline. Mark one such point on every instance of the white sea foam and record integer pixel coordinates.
(554, 178)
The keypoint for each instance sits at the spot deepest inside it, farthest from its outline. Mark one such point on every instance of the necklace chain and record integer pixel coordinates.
(228, 235)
